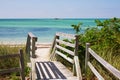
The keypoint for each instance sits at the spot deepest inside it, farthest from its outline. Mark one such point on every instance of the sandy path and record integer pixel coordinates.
(42, 54)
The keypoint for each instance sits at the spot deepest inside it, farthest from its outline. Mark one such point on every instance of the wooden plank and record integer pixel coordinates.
(66, 50)
(22, 65)
(75, 52)
(77, 67)
(65, 57)
(33, 48)
(71, 36)
(95, 71)
(86, 57)
(52, 55)
(33, 75)
(53, 44)
(67, 73)
(109, 67)
(48, 70)
(31, 35)
(65, 43)
(28, 45)
(9, 56)
(10, 70)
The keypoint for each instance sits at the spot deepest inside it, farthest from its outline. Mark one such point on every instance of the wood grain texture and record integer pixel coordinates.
(109, 67)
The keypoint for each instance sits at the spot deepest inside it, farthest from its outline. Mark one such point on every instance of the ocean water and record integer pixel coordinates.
(16, 30)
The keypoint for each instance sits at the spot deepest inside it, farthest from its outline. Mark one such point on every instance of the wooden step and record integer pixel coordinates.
(53, 71)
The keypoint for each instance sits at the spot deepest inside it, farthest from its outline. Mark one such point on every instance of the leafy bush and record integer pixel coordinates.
(104, 40)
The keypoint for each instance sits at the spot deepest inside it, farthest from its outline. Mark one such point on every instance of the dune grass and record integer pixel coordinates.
(11, 62)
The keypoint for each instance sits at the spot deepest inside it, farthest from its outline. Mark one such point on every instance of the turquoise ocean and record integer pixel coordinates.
(16, 30)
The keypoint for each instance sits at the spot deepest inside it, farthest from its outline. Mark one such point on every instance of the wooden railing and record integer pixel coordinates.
(17, 69)
(30, 45)
(105, 64)
(56, 47)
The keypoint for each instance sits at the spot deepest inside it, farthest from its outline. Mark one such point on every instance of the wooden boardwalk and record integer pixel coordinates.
(45, 66)
(43, 60)
(55, 70)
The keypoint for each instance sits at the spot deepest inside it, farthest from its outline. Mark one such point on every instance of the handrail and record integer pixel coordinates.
(71, 36)
(104, 63)
(56, 45)
(30, 45)
(17, 69)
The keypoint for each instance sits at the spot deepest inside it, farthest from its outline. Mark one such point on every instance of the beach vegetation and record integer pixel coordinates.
(77, 27)
(8, 63)
(105, 41)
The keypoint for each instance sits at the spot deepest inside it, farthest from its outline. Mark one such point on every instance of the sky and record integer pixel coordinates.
(59, 8)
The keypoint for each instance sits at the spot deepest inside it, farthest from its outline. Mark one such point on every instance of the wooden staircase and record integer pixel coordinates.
(51, 69)
(46, 66)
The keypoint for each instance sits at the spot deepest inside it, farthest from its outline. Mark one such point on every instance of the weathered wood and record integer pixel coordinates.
(33, 47)
(77, 68)
(65, 43)
(86, 57)
(44, 69)
(22, 65)
(53, 44)
(53, 49)
(48, 70)
(33, 75)
(75, 53)
(71, 36)
(65, 57)
(20, 69)
(76, 45)
(66, 50)
(95, 71)
(52, 56)
(9, 70)
(32, 36)
(109, 67)
(9, 56)
(30, 45)
(53, 71)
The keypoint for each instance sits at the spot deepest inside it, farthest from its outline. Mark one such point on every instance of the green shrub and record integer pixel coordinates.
(105, 41)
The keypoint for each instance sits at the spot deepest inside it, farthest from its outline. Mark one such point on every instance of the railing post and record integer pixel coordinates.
(76, 52)
(28, 44)
(53, 45)
(34, 39)
(22, 65)
(86, 57)
(54, 54)
(52, 50)
(28, 48)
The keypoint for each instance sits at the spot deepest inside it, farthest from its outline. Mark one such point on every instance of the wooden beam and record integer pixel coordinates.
(86, 57)
(95, 71)
(64, 56)
(22, 66)
(75, 52)
(71, 36)
(77, 68)
(66, 50)
(109, 67)
(9, 56)
(65, 43)
(9, 70)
